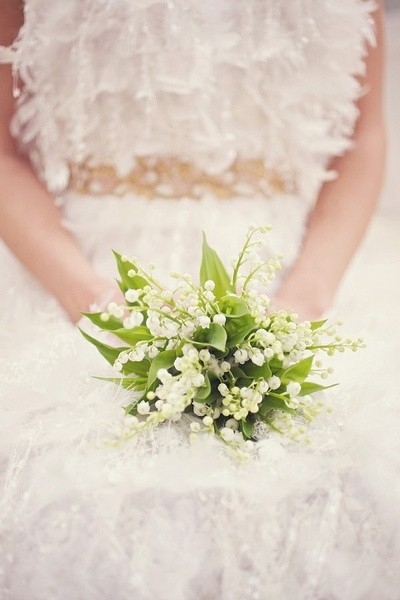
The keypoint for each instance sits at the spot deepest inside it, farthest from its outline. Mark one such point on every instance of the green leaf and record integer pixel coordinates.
(276, 365)
(270, 403)
(111, 324)
(309, 387)
(132, 336)
(238, 329)
(317, 324)
(246, 428)
(238, 372)
(129, 282)
(163, 360)
(253, 371)
(110, 353)
(214, 337)
(203, 393)
(140, 368)
(212, 268)
(137, 282)
(298, 372)
(122, 286)
(233, 307)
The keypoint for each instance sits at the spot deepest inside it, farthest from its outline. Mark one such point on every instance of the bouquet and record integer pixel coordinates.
(215, 350)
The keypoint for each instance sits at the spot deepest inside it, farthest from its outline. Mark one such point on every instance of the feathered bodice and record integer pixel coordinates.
(213, 82)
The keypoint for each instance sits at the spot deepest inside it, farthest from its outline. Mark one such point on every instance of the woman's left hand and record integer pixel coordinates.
(309, 305)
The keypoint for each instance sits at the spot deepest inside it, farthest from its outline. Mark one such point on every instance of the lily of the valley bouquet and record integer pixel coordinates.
(215, 351)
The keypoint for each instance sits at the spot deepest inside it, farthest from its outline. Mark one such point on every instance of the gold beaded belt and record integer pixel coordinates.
(171, 177)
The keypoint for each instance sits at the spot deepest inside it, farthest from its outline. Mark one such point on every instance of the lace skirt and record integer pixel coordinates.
(157, 517)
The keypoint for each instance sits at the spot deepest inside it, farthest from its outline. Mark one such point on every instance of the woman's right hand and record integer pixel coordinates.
(93, 294)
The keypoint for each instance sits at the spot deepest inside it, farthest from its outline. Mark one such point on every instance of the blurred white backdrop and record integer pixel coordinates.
(390, 202)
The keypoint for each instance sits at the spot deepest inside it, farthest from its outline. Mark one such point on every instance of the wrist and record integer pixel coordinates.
(81, 294)
(308, 294)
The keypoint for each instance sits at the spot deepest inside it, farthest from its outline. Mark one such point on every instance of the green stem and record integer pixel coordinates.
(239, 261)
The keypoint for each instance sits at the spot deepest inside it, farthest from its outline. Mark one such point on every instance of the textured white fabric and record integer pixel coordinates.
(207, 81)
(155, 518)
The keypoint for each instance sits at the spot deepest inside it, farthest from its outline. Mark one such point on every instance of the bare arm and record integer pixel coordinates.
(345, 205)
(29, 221)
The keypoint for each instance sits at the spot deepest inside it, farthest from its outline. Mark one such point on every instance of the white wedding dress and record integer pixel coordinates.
(151, 120)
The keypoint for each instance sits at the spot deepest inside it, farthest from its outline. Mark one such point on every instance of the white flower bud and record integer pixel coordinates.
(219, 319)
(199, 409)
(209, 296)
(153, 351)
(166, 410)
(123, 358)
(241, 356)
(143, 408)
(131, 295)
(127, 323)
(256, 356)
(198, 380)
(274, 382)
(227, 434)
(162, 375)
(293, 388)
(118, 312)
(204, 321)
(223, 389)
(204, 355)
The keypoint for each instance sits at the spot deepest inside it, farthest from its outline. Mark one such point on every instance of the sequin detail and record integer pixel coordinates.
(162, 177)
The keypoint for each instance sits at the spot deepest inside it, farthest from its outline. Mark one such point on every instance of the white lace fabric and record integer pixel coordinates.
(209, 82)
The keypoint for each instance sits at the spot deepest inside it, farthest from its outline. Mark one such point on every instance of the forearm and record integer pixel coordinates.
(345, 205)
(30, 225)
(338, 223)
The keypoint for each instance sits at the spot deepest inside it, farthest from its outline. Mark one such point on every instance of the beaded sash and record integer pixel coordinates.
(172, 177)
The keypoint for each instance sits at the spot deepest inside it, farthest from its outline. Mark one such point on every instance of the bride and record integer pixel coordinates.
(133, 125)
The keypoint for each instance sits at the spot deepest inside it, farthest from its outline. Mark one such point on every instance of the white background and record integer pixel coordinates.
(390, 202)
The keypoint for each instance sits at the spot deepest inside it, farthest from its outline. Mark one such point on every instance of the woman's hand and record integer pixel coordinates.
(306, 308)
(96, 299)
(92, 294)
(303, 296)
